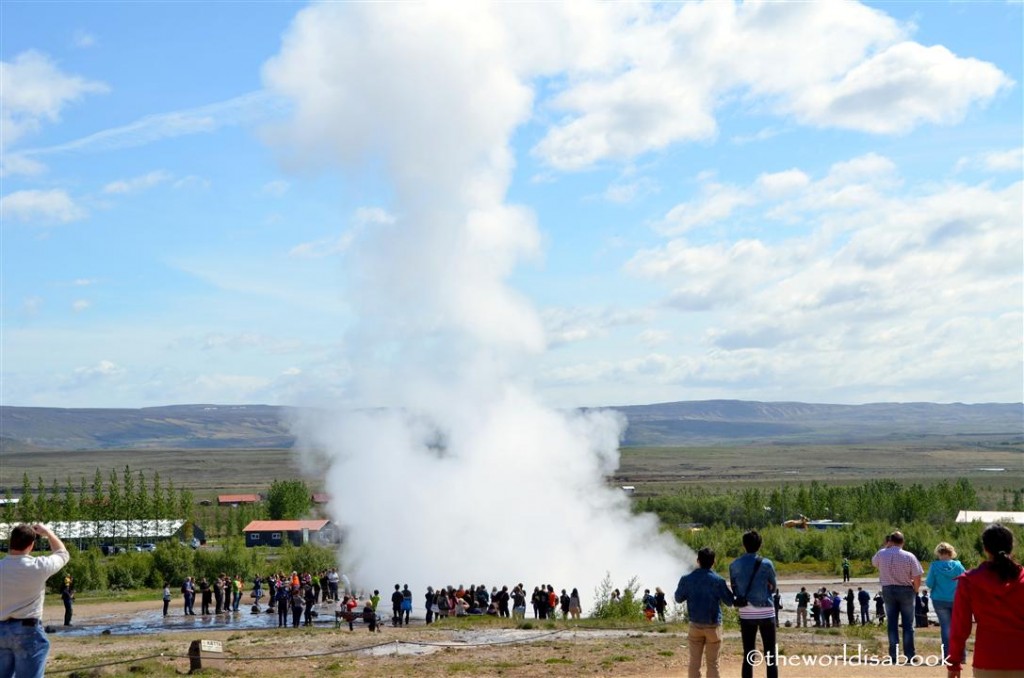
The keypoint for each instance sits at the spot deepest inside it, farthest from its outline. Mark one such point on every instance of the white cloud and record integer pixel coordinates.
(782, 183)
(717, 202)
(83, 39)
(245, 109)
(33, 206)
(35, 90)
(654, 337)
(83, 282)
(362, 218)
(14, 163)
(903, 282)
(139, 183)
(104, 370)
(900, 88)
(622, 192)
(31, 305)
(841, 65)
(79, 305)
(569, 325)
(276, 189)
(1011, 160)
(192, 182)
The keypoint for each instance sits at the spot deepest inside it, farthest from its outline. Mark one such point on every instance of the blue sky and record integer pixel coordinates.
(235, 202)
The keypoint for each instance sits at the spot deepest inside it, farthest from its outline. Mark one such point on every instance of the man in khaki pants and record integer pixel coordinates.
(704, 593)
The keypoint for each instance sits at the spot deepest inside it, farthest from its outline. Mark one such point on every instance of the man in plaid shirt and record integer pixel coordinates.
(900, 575)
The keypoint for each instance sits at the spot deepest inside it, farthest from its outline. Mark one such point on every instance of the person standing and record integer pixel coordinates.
(659, 603)
(218, 594)
(851, 615)
(942, 580)
(188, 592)
(167, 597)
(406, 602)
(67, 596)
(899, 572)
(752, 579)
(575, 608)
(864, 598)
(23, 643)
(993, 595)
(205, 596)
(396, 606)
(236, 592)
(704, 593)
(846, 570)
(777, 604)
(281, 598)
(802, 599)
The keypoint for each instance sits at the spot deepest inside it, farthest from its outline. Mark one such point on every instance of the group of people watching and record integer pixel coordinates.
(459, 601)
(224, 592)
(992, 595)
(989, 598)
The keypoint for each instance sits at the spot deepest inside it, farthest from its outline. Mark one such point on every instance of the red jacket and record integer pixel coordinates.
(998, 609)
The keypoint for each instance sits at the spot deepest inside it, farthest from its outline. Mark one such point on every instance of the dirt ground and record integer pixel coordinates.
(450, 649)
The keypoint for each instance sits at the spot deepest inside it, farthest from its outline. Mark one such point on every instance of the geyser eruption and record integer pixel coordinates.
(444, 467)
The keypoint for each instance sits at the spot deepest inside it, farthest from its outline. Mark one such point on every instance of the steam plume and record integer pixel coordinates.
(445, 468)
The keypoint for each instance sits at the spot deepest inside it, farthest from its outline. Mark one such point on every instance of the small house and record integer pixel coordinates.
(297, 532)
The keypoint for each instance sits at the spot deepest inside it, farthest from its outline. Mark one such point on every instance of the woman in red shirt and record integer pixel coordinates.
(993, 594)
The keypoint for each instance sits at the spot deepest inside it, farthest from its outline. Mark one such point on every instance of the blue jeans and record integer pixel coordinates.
(23, 650)
(899, 604)
(944, 611)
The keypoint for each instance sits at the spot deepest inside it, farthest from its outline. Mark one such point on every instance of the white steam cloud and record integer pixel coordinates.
(460, 475)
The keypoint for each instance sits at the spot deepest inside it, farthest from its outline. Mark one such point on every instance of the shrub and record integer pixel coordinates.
(628, 607)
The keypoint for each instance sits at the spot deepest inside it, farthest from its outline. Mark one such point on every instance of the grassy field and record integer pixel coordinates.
(657, 470)
(653, 470)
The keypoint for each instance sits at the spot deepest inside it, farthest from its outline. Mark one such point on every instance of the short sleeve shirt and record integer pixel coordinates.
(896, 567)
(22, 579)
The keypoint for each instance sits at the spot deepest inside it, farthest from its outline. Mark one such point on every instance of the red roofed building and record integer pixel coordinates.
(236, 499)
(298, 532)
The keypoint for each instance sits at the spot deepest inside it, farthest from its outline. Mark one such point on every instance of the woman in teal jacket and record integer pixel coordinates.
(941, 581)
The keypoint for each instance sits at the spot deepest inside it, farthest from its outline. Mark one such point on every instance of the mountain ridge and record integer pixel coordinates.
(693, 422)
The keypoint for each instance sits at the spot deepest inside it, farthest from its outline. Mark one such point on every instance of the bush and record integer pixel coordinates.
(86, 567)
(130, 571)
(628, 607)
(308, 558)
(172, 562)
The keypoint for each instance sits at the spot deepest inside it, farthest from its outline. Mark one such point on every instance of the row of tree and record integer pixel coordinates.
(130, 495)
(124, 496)
(753, 507)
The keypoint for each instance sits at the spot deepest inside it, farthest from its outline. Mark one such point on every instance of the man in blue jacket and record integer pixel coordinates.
(704, 593)
(753, 581)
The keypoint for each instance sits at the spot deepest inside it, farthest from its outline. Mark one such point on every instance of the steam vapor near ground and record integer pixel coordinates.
(444, 467)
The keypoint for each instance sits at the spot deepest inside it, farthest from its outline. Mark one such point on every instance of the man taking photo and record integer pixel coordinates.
(23, 643)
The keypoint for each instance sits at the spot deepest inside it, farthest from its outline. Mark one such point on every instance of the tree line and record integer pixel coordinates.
(875, 500)
(130, 496)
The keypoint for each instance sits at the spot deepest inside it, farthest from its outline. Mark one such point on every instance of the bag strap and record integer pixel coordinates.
(757, 566)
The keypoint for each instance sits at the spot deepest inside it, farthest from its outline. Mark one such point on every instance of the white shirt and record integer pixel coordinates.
(22, 583)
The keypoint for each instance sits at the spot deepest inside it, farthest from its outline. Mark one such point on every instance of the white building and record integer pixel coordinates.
(1009, 517)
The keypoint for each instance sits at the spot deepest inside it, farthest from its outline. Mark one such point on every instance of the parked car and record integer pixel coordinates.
(148, 547)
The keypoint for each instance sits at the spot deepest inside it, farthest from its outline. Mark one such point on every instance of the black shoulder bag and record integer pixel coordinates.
(741, 601)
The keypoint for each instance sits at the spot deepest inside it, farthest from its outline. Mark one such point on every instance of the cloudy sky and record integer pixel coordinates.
(783, 201)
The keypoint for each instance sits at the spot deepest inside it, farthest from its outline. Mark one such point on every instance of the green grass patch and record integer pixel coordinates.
(557, 660)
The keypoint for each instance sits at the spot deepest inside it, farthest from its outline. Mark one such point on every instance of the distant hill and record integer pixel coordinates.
(718, 421)
(703, 422)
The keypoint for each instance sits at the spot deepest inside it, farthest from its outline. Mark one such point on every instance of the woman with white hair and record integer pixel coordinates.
(941, 581)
